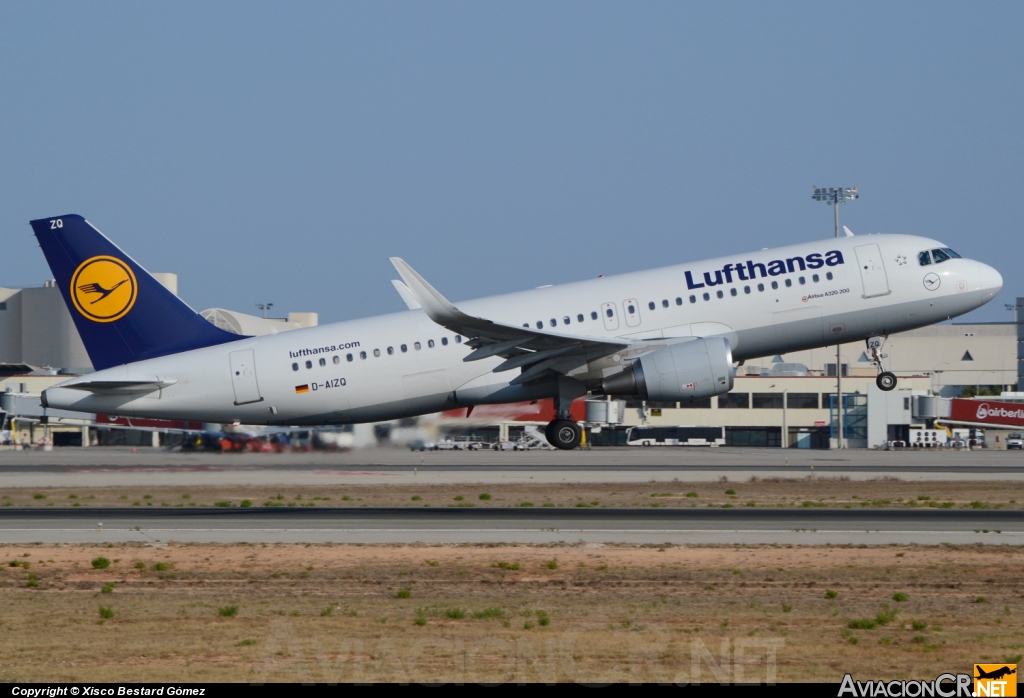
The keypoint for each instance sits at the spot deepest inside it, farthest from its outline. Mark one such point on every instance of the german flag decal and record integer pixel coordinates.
(302, 388)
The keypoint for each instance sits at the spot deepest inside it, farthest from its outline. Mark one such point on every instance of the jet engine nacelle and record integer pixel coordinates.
(696, 369)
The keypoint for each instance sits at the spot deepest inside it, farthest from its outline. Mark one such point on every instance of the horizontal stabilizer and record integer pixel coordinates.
(145, 385)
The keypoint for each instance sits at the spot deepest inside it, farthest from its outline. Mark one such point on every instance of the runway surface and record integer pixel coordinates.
(95, 467)
(534, 526)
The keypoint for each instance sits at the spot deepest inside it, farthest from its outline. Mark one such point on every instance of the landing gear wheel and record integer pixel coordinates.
(563, 434)
(886, 381)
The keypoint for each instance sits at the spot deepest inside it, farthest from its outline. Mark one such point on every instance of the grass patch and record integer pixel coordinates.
(526, 504)
(919, 625)
(420, 620)
(661, 494)
(786, 608)
(32, 582)
(830, 594)
(862, 624)
(246, 503)
(552, 564)
(222, 503)
(107, 589)
(489, 613)
(730, 491)
(39, 495)
(899, 597)
(543, 619)
(327, 612)
(247, 643)
(459, 498)
(455, 613)
(403, 594)
(100, 563)
(227, 611)
(416, 498)
(691, 494)
(485, 496)
(502, 565)
(163, 566)
(106, 612)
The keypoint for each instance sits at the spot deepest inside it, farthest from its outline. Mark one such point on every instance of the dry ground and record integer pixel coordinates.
(803, 492)
(504, 613)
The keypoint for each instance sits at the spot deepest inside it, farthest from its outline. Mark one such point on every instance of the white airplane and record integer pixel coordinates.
(669, 334)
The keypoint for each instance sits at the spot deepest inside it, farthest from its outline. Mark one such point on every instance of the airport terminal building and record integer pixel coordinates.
(785, 400)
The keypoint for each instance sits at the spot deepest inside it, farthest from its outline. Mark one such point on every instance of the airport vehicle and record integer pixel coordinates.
(675, 436)
(670, 334)
(1014, 441)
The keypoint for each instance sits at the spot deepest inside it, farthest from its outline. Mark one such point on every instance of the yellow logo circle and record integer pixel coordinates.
(103, 288)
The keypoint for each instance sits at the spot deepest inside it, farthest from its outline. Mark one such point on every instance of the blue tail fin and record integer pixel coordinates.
(122, 313)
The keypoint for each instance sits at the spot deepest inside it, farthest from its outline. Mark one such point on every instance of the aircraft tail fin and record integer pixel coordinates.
(122, 313)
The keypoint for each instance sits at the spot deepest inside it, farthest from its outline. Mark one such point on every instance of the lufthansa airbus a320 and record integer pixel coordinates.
(669, 334)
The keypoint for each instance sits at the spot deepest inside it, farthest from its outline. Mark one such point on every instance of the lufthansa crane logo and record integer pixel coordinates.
(104, 288)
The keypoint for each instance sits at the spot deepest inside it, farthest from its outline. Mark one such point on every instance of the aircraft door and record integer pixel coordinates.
(243, 377)
(608, 314)
(872, 270)
(632, 309)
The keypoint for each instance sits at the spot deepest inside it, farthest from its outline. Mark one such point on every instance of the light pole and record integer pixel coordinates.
(835, 197)
(264, 307)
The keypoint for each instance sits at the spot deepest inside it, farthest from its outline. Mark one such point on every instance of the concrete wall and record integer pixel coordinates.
(48, 334)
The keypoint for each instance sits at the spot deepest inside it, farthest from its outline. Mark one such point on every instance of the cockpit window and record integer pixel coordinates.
(925, 258)
(939, 256)
(951, 253)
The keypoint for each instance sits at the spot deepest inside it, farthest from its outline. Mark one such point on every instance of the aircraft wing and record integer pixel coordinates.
(534, 351)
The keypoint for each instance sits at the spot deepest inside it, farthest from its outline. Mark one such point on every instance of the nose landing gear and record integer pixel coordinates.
(886, 380)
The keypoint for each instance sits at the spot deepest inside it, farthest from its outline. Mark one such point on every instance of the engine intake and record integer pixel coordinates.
(689, 370)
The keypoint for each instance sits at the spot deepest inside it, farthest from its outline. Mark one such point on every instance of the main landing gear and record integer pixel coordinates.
(563, 434)
(886, 380)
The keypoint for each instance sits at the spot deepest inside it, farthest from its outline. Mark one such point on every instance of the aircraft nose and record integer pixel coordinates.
(991, 280)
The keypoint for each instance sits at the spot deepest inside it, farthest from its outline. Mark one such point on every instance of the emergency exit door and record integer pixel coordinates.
(872, 270)
(243, 377)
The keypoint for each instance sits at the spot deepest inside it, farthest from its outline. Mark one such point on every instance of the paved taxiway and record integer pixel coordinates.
(106, 467)
(534, 526)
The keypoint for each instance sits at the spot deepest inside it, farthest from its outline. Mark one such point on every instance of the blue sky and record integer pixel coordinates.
(282, 151)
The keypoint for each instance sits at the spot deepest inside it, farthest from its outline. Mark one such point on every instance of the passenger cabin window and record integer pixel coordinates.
(679, 301)
(540, 324)
(405, 348)
(664, 303)
(651, 305)
(719, 294)
(579, 318)
(610, 312)
(632, 309)
(828, 275)
(554, 322)
(362, 355)
(924, 258)
(323, 362)
(444, 341)
(391, 350)
(593, 315)
(746, 289)
(430, 344)
(337, 359)
(526, 325)
(707, 297)
(775, 284)
(732, 291)
(760, 287)
(566, 320)
(815, 278)
(802, 281)
(348, 356)
(417, 346)
(376, 352)
(295, 367)
(693, 299)
(789, 282)
(458, 339)
(309, 364)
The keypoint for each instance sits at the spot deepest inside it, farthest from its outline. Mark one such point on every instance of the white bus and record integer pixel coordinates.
(675, 436)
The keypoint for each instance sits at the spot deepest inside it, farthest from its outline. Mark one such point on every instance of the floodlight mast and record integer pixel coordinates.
(836, 196)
